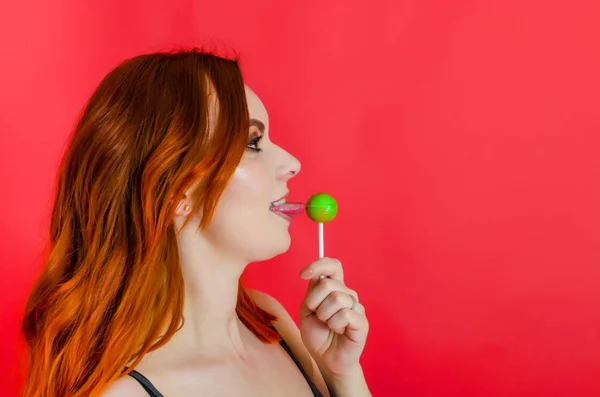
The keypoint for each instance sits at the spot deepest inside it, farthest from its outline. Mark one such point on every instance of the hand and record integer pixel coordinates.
(333, 332)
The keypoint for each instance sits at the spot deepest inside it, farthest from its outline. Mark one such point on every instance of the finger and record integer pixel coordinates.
(334, 302)
(351, 323)
(328, 267)
(321, 290)
(359, 308)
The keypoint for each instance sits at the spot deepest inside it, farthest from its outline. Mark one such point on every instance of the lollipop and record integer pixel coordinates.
(321, 208)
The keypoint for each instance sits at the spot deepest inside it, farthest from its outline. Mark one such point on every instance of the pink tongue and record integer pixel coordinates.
(290, 209)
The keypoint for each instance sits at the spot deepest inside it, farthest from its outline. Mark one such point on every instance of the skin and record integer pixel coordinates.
(214, 352)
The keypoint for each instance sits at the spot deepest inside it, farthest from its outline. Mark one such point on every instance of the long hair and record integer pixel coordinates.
(111, 288)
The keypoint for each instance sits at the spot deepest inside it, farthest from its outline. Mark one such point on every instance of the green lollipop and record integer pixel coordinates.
(321, 208)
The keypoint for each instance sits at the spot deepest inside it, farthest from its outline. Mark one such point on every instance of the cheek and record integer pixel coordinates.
(249, 186)
(243, 209)
(242, 222)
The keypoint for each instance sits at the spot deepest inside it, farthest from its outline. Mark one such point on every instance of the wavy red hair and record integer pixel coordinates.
(111, 289)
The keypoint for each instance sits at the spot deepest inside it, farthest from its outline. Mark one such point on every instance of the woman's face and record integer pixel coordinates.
(243, 227)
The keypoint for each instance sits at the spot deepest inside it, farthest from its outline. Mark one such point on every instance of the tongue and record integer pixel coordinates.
(290, 209)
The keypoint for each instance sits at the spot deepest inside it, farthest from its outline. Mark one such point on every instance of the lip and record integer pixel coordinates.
(280, 198)
(284, 216)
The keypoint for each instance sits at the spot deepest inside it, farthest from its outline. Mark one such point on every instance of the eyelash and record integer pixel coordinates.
(253, 142)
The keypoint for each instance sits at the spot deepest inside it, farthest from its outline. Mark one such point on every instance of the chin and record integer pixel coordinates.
(275, 248)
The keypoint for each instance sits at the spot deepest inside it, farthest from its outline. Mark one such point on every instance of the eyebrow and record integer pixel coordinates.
(258, 124)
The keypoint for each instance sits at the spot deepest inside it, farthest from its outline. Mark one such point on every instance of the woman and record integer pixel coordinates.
(170, 186)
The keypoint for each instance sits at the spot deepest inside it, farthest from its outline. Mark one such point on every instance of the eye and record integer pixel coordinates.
(253, 143)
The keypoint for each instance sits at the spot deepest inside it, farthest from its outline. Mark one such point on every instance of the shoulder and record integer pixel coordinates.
(125, 386)
(269, 303)
(285, 324)
(287, 328)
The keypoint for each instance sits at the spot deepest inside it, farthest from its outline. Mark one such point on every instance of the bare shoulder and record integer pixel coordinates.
(287, 328)
(125, 386)
(269, 303)
(285, 324)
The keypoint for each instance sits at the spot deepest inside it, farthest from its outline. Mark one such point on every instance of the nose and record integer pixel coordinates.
(289, 166)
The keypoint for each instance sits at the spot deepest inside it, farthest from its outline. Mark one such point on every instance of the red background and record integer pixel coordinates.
(459, 137)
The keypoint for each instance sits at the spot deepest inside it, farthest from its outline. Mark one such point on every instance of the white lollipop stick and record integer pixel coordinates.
(321, 245)
(321, 242)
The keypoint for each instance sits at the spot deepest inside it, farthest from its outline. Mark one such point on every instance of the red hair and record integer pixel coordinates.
(111, 281)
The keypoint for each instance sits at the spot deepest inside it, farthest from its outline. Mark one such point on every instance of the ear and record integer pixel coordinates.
(185, 204)
(184, 207)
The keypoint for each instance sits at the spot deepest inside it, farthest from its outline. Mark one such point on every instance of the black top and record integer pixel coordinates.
(149, 387)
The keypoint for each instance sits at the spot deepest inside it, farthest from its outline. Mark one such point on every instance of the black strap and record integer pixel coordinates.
(313, 387)
(146, 384)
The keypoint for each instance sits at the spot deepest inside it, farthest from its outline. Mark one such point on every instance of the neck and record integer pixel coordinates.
(210, 301)
(211, 324)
